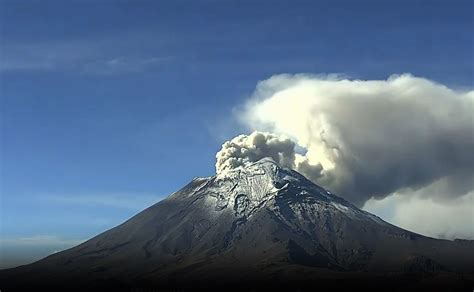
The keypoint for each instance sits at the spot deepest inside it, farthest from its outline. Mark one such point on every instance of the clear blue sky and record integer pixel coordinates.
(108, 106)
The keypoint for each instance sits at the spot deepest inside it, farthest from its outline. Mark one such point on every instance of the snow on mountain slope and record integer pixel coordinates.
(260, 221)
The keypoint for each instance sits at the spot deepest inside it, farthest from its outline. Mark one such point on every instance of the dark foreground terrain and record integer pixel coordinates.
(258, 228)
(289, 278)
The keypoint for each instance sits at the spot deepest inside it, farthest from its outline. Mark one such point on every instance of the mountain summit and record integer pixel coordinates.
(259, 223)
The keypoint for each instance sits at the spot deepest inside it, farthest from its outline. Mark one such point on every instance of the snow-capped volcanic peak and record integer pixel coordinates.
(257, 185)
(263, 178)
(255, 182)
(254, 219)
(264, 174)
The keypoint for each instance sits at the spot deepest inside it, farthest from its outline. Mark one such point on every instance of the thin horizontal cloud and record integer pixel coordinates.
(40, 240)
(122, 65)
(20, 250)
(133, 202)
(107, 56)
(45, 56)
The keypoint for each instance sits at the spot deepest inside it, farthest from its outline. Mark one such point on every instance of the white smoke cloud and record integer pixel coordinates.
(364, 139)
(448, 219)
(245, 149)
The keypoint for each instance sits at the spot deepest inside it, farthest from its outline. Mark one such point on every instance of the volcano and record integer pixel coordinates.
(256, 226)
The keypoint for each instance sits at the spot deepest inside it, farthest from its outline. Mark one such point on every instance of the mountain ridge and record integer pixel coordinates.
(260, 222)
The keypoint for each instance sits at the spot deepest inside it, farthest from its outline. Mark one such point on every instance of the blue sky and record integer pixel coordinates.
(108, 106)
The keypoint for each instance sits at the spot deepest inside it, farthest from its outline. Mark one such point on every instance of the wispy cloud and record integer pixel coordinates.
(108, 56)
(133, 202)
(53, 55)
(115, 208)
(40, 240)
(15, 251)
(123, 64)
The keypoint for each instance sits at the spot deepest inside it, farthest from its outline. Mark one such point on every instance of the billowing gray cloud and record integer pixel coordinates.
(245, 149)
(364, 139)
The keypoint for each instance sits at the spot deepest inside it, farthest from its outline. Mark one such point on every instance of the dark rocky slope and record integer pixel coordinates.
(260, 226)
